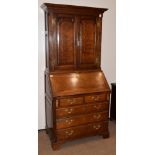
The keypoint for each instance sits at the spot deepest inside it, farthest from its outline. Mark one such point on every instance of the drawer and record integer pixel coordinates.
(81, 109)
(65, 102)
(82, 131)
(96, 98)
(81, 119)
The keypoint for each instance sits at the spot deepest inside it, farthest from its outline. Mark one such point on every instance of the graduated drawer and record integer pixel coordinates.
(65, 102)
(96, 98)
(81, 119)
(82, 131)
(82, 109)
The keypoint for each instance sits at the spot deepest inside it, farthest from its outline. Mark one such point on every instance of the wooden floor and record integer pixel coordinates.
(86, 146)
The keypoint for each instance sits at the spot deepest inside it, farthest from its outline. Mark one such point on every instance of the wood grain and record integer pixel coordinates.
(82, 109)
(78, 83)
(77, 93)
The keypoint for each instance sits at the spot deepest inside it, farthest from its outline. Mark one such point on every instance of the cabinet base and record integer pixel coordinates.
(56, 145)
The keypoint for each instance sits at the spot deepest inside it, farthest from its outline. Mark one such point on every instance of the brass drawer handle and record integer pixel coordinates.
(71, 101)
(97, 106)
(69, 133)
(97, 116)
(97, 127)
(95, 98)
(69, 111)
(69, 121)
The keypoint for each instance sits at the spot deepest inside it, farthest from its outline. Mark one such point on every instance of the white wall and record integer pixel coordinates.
(108, 59)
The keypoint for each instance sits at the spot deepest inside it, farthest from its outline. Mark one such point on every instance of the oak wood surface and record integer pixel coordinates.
(81, 119)
(72, 9)
(77, 93)
(95, 98)
(78, 83)
(65, 102)
(82, 131)
(82, 109)
(73, 37)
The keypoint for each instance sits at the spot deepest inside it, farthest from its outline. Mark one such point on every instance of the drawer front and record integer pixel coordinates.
(82, 131)
(81, 119)
(96, 98)
(82, 109)
(70, 101)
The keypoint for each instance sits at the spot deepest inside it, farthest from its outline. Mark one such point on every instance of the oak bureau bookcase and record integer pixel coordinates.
(76, 91)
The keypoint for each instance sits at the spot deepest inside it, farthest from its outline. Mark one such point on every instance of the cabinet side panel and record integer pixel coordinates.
(49, 118)
(46, 40)
(48, 102)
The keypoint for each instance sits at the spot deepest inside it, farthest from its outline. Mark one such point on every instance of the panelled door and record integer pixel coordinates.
(64, 42)
(74, 42)
(88, 43)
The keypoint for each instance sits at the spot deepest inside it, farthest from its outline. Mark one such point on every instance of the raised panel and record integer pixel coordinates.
(65, 42)
(88, 36)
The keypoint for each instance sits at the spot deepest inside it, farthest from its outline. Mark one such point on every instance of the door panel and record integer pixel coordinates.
(65, 55)
(65, 41)
(88, 36)
(74, 42)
